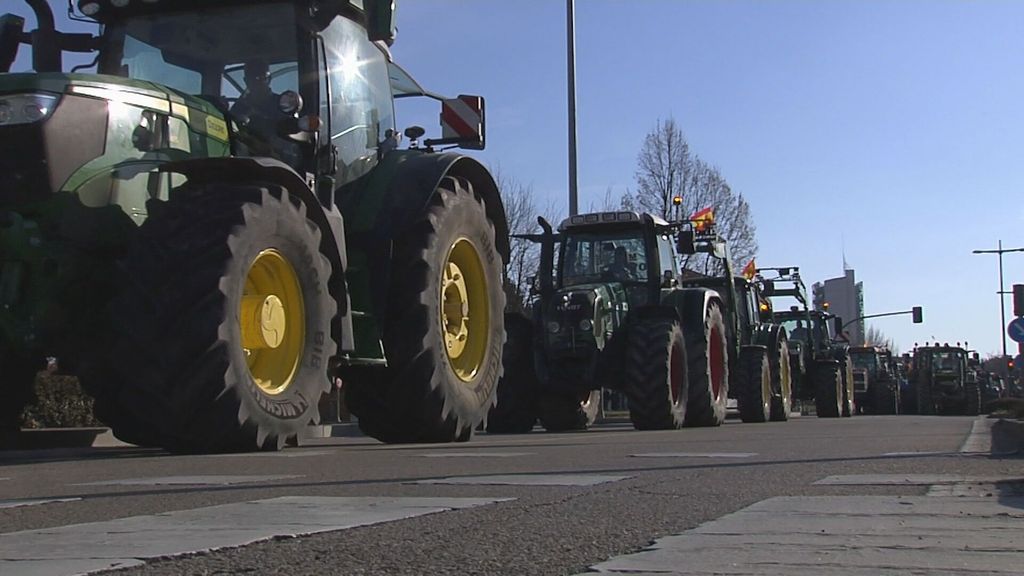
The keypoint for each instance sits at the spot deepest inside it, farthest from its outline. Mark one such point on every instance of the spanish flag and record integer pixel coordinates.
(703, 218)
(750, 270)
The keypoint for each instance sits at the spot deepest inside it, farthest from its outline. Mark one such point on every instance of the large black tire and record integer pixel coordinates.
(884, 398)
(516, 408)
(846, 371)
(427, 394)
(656, 381)
(754, 396)
(828, 390)
(781, 374)
(707, 354)
(908, 400)
(195, 358)
(972, 399)
(17, 377)
(925, 400)
(563, 412)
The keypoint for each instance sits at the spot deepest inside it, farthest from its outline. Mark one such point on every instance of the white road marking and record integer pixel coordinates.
(2, 479)
(189, 481)
(19, 502)
(848, 535)
(979, 441)
(475, 454)
(918, 453)
(695, 455)
(529, 480)
(82, 548)
(902, 479)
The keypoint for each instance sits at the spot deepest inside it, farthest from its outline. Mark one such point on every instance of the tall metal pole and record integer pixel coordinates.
(1002, 302)
(1001, 293)
(570, 17)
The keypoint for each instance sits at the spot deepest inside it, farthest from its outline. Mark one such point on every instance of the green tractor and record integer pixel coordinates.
(942, 382)
(218, 227)
(820, 361)
(611, 315)
(761, 380)
(876, 388)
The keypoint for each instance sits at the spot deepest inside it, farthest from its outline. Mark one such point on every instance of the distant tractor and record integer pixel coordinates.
(610, 314)
(761, 380)
(942, 382)
(821, 366)
(876, 388)
(217, 227)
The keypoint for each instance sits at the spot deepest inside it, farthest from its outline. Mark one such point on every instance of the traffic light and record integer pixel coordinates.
(1018, 299)
(917, 314)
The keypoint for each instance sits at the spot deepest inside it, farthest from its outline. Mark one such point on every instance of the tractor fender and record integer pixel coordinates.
(381, 206)
(692, 304)
(256, 170)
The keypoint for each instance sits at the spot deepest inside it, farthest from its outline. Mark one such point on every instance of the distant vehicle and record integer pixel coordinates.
(876, 388)
(820, 362)
(942, 382)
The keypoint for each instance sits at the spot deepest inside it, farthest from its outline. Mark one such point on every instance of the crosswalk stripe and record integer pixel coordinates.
(81, 548)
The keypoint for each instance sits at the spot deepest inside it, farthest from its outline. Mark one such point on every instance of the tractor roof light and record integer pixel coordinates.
(26, 108)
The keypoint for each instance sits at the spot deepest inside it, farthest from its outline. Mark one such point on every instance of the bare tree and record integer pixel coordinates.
(875, 337)
(667, 168)
(521, 211)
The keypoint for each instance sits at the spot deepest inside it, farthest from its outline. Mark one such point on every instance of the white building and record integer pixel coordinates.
(845, 298)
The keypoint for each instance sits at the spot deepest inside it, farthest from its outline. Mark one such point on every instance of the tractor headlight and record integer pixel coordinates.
(26, 108)
(554, 327)
(586, 324)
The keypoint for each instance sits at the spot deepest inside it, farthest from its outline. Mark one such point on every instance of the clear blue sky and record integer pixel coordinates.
(892, 129)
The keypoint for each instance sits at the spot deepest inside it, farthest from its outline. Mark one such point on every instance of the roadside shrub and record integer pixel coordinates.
(59, 402)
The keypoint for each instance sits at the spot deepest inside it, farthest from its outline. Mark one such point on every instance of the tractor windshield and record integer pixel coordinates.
(206, 52)
(865, 361)
(588, 258)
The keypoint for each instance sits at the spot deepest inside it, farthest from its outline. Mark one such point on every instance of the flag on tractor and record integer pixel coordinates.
(750, 270)
(703, 218)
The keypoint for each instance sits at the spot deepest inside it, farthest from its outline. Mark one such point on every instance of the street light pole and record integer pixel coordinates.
(570, 18)
(1002, 290)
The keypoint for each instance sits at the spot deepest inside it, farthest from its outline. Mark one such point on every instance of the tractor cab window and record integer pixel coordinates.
(358, 104)
(865, 361)
(241, 58)
(796, 329)
(590, 258)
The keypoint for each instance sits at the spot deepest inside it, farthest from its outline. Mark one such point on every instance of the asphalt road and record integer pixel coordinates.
(652, 484)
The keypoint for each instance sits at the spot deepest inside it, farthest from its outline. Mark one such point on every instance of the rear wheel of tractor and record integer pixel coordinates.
(883, 398)
(707, 353)
(846, 371)
(220, 337)
(925, 400)
(972, 400)
(562, 412)
(444, 330)
(656, 382)
(781, 375)
(828, 390)
(754, 397)
(18, 377)
(516, 408)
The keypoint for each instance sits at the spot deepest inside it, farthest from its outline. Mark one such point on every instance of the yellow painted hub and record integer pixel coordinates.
(464, 309)
(273, 321)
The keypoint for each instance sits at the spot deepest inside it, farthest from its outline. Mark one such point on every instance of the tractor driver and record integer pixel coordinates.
(798, 333)
(257, 99)
(619, 267)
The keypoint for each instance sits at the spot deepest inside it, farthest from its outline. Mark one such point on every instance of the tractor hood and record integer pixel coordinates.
(80, 133)
(584, 313)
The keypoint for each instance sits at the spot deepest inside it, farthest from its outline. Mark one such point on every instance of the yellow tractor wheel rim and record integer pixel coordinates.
(273, 321)
(464, 309)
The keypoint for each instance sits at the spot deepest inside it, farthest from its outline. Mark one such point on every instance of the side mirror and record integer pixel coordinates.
(12, 30)
(838, 326)
(768, 288)
(380, 20)
(918, 315)
(684, 242)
